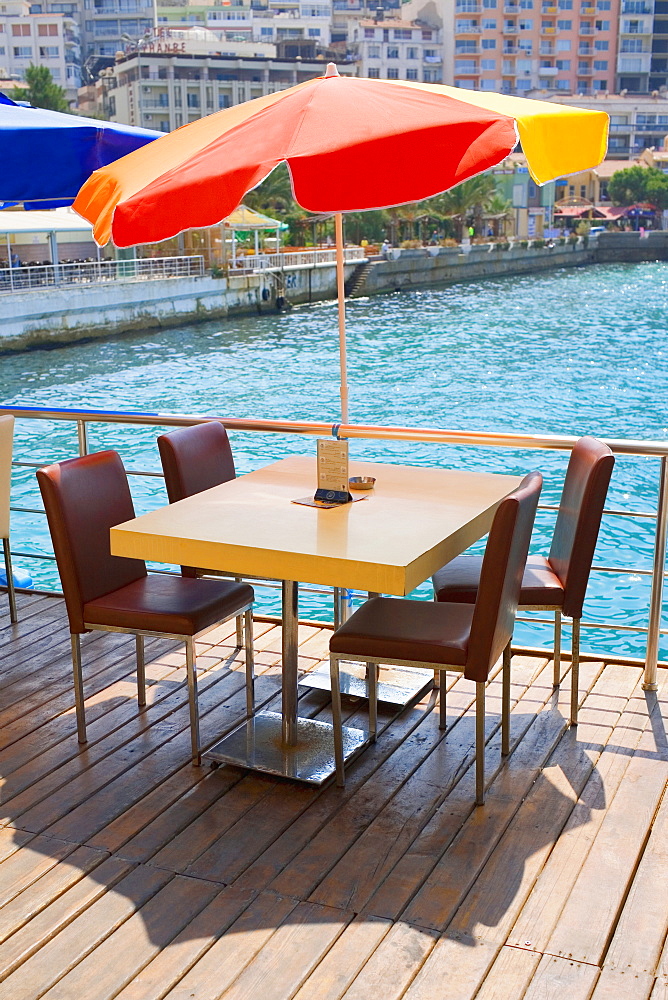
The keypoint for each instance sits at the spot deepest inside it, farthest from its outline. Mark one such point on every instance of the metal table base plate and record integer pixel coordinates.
(395, 686)
(258, 744)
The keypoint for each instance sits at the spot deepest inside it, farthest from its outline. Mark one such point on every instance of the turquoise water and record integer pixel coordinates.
(569, 352)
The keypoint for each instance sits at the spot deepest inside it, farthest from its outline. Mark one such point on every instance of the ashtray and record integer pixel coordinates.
(361, 482)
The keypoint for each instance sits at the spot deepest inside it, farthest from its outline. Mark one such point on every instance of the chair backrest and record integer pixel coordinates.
(6, 446)
(579, 519)
(195, 459)
(83, 499)
(501, 577)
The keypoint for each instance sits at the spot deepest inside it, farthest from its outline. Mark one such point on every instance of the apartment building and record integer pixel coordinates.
(45, 39)
(393, 49)
(166, 89)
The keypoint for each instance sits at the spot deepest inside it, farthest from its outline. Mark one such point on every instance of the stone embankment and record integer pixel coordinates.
(76, 312)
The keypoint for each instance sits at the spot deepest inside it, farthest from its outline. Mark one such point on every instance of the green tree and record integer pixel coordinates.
(468, 199)
(41, 91)
(638, 184)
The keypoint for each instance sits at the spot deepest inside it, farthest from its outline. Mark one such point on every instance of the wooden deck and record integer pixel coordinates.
(127, 873)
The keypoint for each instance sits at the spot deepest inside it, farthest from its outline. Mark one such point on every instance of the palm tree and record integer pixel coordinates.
(468, 198)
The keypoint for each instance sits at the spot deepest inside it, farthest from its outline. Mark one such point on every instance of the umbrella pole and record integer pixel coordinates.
(340, 285)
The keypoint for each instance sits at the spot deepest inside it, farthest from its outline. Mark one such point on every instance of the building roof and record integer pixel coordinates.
(58, 220)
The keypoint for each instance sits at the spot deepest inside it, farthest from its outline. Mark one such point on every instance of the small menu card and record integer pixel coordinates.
(332, 472)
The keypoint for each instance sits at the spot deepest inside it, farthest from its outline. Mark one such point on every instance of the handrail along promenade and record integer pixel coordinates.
(534, 442)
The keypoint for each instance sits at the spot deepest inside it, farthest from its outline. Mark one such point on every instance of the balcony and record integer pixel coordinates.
(510, 50)
(585, 50)
(586, 29)
(549, 10)
(547, 71)
(548, 31)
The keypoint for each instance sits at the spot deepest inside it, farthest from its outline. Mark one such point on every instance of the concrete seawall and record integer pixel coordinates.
(66, 314)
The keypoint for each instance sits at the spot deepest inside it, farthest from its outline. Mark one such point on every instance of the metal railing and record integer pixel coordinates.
(303, 258)
(95, 272)
(491, 439)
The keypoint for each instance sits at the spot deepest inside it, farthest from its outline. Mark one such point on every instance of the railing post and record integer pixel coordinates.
(82, 437)
(658, 569)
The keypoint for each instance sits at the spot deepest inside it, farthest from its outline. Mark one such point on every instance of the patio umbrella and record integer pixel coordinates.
(350, 144)
(47, 155)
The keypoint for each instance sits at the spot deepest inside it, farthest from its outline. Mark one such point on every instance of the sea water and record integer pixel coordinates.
(572, 351)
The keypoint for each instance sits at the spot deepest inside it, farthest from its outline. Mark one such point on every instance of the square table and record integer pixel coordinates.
(411, 524)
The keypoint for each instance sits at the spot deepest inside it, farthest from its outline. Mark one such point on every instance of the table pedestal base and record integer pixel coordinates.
(258, 744)
(395, 686)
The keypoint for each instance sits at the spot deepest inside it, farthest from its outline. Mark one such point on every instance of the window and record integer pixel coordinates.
(374, 52)
(21, 30)
(47, 29)
(630, 65)
(427, 36)
(488, 84)
(563, 64)
(600, 84)
(603, 5)
(411, 74)
(267, 32)
(524, 84)
(489, 43)
(600, 64)
(565, 5)
(465, 66)
(404, 33)
(628, 45)
(393, 73)
(49, 51)
(374, 73)
(563, 85)
(23, 52)
(563, 45)
(369, 32)
(488, 64)
(314, 32)
(525, 24)
(526, 4)
(526, 47)
(489, 24)
(467, 25)
(489, 4)
(564, 25)
(602, 25)
(464, 45)
(523, 66)
(392, 52)
(411, 53)
(463, 84)
(602, 46)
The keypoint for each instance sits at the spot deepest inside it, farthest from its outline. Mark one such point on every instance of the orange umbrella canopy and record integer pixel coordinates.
(350, 144)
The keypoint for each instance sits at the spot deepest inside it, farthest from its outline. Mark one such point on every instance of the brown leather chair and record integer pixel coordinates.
(83, 499)
(195, 459)
(462, 637)
(556, 583)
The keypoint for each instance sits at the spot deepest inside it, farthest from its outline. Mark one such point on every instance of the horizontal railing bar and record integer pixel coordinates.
(554, 442)
(583, 624)
(32, 555)
(616, 513)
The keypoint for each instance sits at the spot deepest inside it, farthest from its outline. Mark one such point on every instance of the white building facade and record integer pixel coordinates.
(50, 40)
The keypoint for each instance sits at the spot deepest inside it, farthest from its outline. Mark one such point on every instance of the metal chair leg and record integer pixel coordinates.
(240, 623)
(250, 664)
(479, 743)
(192, 699)
(442, 706)
(141, 671)
(557, 648)
(575, 672)
(78, 687)
(505, 702)
(11, 591)
(372, 687)
(337, 721)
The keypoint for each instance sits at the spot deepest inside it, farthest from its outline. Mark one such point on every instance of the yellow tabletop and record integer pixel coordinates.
(414, 521)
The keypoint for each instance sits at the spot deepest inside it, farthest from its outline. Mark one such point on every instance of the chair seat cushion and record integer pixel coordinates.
(176, 605)
(406, 630)
(458, 582)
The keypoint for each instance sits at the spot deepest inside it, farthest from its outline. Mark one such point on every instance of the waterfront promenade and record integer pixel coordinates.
(176, 293)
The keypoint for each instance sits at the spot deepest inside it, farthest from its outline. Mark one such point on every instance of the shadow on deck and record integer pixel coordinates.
(127, 873)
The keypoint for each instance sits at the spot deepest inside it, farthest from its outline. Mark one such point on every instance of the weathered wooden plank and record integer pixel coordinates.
(49, 887)
(556, 978)
(226, 959)
(171, 964)
(68, 903)
(605, 876)
(290, 954)
(106, 970)
(25, 866)
(76, 940)
(343, 962)
(554, 883)
(394, 963)
(623, 984)
(509, 976)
